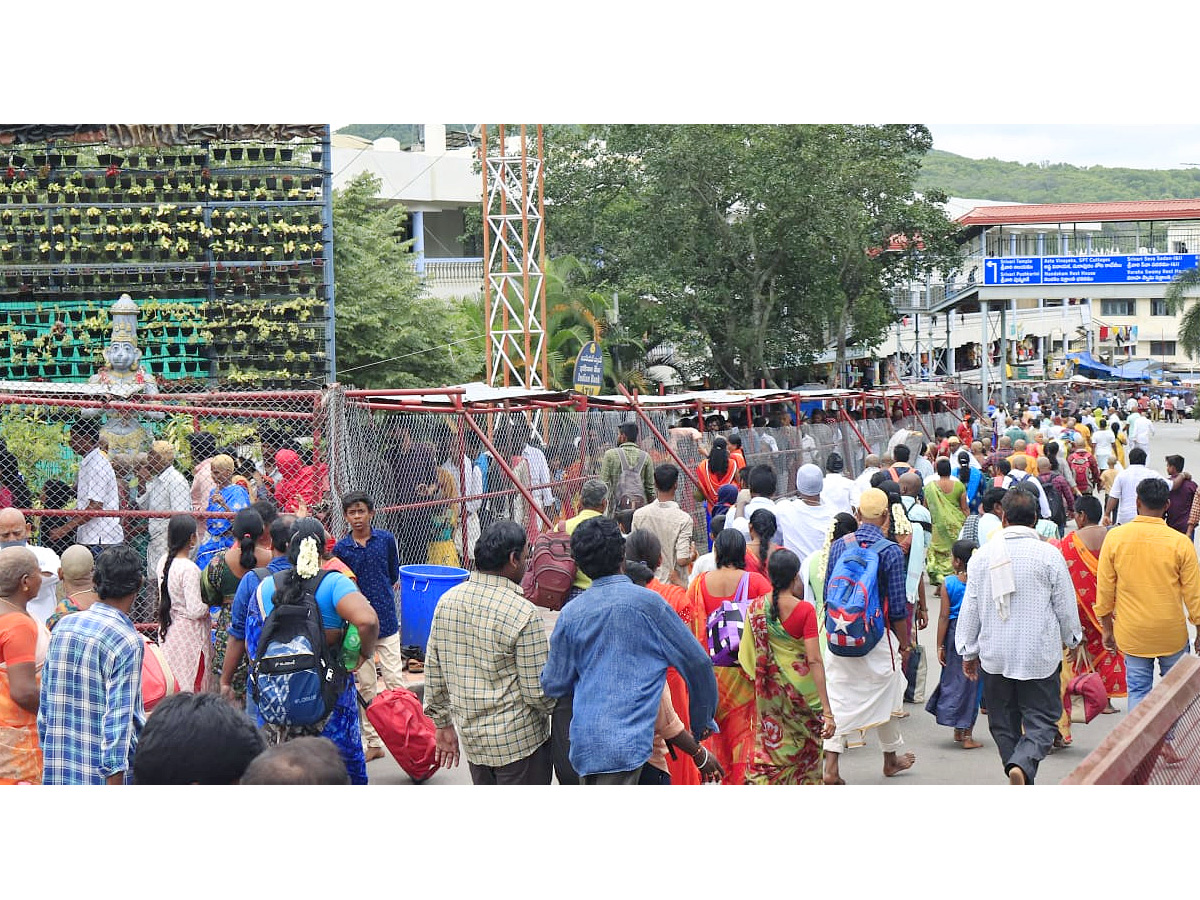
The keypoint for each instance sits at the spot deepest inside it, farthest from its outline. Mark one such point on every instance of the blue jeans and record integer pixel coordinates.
(1139, 674)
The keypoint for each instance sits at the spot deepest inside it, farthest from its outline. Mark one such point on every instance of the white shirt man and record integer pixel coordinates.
(863, 481)
(803, 521)
(166, 490)
(14, 532)
(539, 474)
(1019, 475)
(1124, 491)
(97, 483)
(837, 489)
(1140, 432)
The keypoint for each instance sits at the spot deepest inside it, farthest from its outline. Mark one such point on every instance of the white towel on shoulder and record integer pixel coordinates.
(1001, 574)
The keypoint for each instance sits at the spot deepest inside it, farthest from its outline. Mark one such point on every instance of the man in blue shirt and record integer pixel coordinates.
(282, 529)
(611, 648)
(372, 555)
(90, 712)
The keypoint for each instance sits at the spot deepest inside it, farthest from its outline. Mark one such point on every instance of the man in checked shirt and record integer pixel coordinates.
(486, 650)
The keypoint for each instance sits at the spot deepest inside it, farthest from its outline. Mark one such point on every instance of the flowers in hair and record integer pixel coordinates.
(308, 563)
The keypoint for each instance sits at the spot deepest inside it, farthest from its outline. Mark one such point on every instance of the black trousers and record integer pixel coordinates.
(560, 741)
(1023, 718)
(603, 778)
(536, 768)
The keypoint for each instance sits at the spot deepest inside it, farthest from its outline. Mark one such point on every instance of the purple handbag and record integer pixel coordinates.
(725, 626)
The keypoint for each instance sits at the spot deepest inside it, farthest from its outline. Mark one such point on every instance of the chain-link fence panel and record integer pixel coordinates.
(94, 470)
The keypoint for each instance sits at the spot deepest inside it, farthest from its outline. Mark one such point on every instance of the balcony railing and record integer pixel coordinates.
(451, 277)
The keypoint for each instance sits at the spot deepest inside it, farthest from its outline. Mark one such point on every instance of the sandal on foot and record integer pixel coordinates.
(416, 666)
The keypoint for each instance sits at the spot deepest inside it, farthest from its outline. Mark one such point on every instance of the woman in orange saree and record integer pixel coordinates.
(1081, 550)
(719, 469)
(733, 745)
(643, 554)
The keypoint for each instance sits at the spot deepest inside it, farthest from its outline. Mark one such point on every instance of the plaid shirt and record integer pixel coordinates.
(486, 650)
(91, 714)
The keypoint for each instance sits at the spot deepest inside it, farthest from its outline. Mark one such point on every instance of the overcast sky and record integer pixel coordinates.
(1132, 146)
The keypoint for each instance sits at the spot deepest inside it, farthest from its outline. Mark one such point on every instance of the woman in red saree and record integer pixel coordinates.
(297, 485)
(719, 469)
(734, 744)
(1081, 550)
(643, 554)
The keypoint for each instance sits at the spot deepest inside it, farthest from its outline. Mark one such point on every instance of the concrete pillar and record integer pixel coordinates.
(949, 349)
(418, 223)
(983, 357)
(1012, 245)
(1041, 243)
(435, 139)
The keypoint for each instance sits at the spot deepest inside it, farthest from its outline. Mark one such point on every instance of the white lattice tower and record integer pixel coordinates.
(514, 251)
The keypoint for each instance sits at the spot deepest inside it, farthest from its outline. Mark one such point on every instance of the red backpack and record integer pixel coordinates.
(551, 570)
(405, 730)
(1079, 466)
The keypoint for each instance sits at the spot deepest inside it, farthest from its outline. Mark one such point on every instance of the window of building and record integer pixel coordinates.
(1117, 308)
(1162, 348)
(1158, 307)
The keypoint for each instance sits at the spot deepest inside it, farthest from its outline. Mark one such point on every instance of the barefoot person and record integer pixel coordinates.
(863, 690)
(954, 702)
(1017, 614)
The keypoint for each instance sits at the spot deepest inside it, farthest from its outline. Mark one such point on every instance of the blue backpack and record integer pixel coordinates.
(854, 617)
(296, 677)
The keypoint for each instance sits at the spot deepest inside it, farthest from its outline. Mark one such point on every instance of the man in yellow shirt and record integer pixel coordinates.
(593, 501)
(1146, 569)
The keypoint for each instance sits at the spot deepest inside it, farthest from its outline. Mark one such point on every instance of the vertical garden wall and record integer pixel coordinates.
(220, 233)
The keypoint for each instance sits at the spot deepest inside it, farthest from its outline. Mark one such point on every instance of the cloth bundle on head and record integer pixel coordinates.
(809, 480)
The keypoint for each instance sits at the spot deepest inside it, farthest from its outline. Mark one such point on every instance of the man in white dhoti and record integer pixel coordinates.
(863, 690)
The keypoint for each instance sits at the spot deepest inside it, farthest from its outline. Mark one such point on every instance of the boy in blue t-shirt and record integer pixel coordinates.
(372, 554)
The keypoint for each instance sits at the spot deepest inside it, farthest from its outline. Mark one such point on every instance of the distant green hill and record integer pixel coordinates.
(993, 179)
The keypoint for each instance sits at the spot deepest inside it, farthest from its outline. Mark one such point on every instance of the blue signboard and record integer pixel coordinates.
(589, 369)
(1143, 268)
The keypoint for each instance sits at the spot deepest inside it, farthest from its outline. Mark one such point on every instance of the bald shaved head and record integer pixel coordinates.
(910, 484)
(15, 564)
(13, 526)
(872, 461)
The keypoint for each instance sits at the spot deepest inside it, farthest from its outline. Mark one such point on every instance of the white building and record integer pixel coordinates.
(436, 181)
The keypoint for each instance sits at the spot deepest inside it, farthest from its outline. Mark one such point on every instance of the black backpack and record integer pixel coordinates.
(1058, 509)
(296, 677)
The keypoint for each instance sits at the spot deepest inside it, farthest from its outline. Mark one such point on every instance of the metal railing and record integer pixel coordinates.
(1157, 743)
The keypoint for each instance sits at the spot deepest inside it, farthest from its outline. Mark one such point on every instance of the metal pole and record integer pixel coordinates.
(507, 470)
(487, 263)
(1004, 350)
(327, 208)
(983, 357)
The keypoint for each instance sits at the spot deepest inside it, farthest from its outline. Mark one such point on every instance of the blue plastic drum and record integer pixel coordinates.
(420, 589)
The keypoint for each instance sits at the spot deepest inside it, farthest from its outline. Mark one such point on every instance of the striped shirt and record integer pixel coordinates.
(90, 713)
(486, 650)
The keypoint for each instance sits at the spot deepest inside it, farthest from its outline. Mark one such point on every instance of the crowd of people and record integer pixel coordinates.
(759, 654)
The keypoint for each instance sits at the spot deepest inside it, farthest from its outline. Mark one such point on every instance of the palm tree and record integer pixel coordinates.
(1178, 293)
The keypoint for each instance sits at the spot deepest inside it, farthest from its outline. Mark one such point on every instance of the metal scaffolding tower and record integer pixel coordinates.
(514, 249)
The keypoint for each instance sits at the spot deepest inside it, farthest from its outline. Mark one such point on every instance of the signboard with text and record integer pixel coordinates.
(589, 369)
(1137, 269)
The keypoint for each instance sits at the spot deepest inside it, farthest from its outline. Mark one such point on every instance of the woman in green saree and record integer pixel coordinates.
(780, 652)
(946, 500)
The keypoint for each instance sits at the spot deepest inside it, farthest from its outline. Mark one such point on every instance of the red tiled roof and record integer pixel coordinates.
(1055, 213)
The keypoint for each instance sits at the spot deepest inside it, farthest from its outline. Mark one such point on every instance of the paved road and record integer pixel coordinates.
(939, 759)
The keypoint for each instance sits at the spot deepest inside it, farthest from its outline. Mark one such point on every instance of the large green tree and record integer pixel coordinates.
(747, 246)
(389, 333)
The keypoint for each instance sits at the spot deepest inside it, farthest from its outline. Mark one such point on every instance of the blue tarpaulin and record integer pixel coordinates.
(1088, 365)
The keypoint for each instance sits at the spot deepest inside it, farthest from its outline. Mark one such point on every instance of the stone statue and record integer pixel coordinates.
(124, 378)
